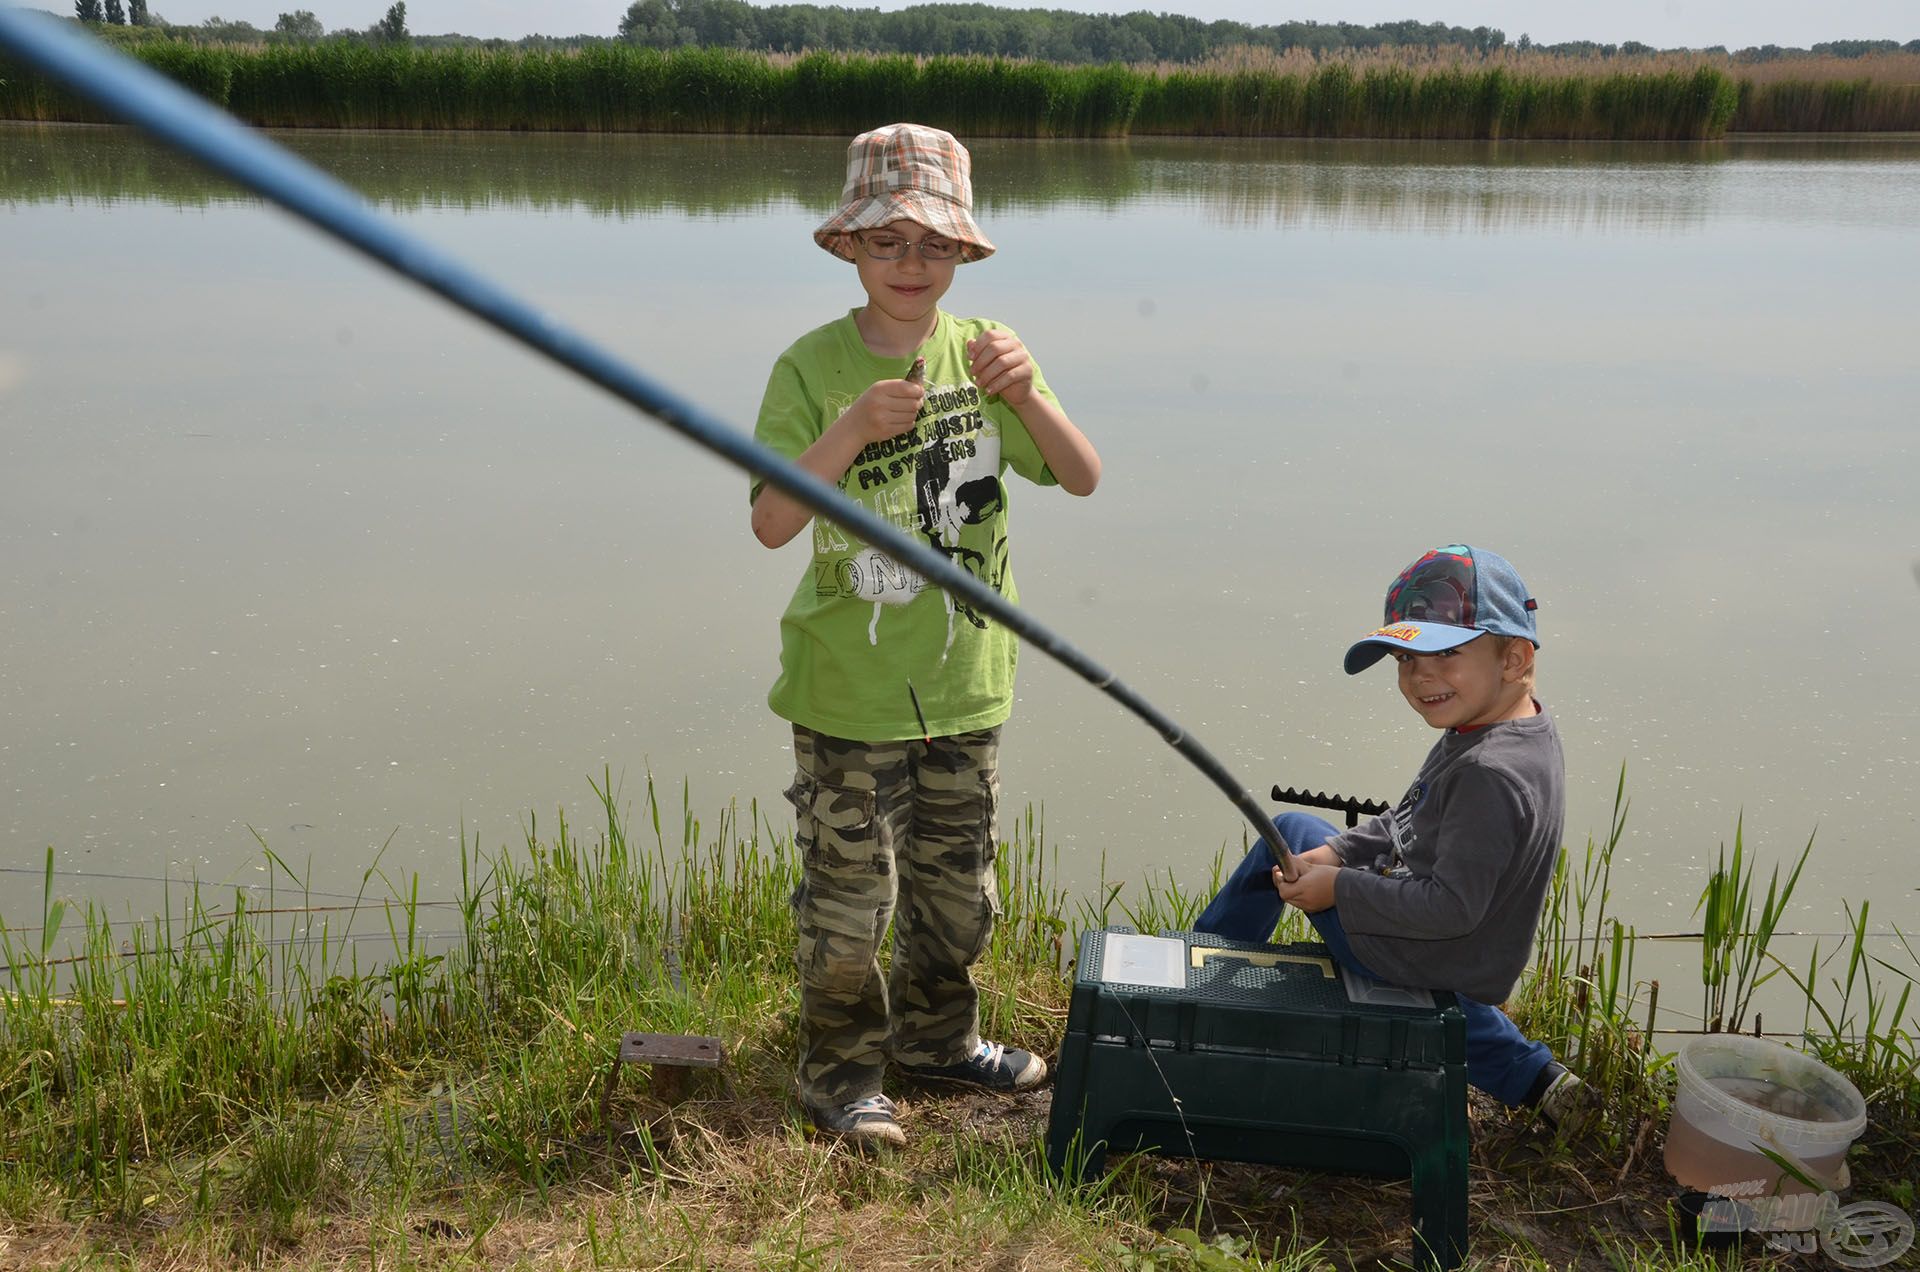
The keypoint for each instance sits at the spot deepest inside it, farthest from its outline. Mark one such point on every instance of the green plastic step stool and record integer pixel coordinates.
(1193, 1045)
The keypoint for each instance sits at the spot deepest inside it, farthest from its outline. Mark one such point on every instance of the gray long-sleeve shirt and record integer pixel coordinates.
(1471, 847)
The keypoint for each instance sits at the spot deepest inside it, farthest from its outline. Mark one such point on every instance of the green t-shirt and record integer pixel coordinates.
(860, 628)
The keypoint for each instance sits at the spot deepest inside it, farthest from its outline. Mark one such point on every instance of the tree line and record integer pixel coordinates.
(1054, 35)
(299, 26)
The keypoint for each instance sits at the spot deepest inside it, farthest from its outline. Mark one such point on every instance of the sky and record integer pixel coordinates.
(1662, 23)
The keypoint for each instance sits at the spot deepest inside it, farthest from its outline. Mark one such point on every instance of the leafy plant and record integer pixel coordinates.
(1734, 946)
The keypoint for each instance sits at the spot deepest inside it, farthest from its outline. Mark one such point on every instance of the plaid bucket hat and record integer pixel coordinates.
(906, 172)
(1445, 599)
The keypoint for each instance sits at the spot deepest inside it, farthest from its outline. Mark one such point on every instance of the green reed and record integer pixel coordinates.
(1580, 996)
(1734, 957)
(1866, 1034)
(235, 1058)
(209, 1026)
(621, 88)
(1827, 105)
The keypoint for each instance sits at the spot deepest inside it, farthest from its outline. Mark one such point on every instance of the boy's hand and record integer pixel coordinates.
(887, 409)
(1311, 890)
(1001, 366)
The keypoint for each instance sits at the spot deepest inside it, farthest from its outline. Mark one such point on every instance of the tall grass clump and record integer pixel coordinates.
(1859, 1023)
(1580, 997)
(231, 1077)
(1392, 98)
(1735, 955)
(124, 1048)
(1877, 93)
(617, 87)
(1854, 105)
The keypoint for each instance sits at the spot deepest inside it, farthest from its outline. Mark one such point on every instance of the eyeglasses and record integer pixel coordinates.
(1437, 588)
(886, 246)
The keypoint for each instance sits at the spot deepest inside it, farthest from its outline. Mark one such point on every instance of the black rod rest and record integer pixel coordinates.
(1355, 809)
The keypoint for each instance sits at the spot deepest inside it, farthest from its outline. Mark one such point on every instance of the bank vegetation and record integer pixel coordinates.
(1247, 92)
(276, 1077)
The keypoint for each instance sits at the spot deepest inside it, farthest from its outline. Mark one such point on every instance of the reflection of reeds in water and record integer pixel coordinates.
(1438, 187)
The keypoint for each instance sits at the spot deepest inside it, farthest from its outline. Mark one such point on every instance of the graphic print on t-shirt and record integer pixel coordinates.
(1400, 828)
(934, 481)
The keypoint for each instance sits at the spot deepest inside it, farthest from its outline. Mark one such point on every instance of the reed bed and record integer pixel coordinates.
(1389, 100)
(1881, 68)
(1860, 104)
(618, 88)
(220, 1084)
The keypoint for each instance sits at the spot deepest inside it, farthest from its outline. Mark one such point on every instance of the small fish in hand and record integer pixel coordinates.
(917, 374)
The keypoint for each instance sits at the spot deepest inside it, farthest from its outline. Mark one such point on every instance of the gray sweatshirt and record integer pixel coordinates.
(1469, 852)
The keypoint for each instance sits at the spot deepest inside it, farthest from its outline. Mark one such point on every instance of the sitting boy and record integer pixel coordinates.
(1443, 892)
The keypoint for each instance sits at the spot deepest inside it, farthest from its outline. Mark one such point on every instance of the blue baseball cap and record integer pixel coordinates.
(1445, 599)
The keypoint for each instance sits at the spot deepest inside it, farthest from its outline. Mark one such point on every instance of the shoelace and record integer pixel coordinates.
(990, 1054)
(872, 1104)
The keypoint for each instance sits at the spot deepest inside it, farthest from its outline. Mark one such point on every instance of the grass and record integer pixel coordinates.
(1390, 93)
(620, 88)
(227, 1085)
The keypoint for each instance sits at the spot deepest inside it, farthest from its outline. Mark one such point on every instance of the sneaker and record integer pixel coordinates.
(1568, 1105)
(865, 1123)
(992, 1066)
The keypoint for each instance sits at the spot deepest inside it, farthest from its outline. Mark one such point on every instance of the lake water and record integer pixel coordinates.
(289, 549)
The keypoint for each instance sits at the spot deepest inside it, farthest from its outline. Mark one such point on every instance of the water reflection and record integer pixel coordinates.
(1438, 187)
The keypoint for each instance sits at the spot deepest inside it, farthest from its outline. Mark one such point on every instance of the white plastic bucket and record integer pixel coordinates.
(1738, 1095)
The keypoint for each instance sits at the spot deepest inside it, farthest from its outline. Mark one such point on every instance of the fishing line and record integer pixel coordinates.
(262, 942)
(1173, 1097)
(291, 888)
(144, 97)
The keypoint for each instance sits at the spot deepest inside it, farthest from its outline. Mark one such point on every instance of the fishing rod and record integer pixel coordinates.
(150, 101)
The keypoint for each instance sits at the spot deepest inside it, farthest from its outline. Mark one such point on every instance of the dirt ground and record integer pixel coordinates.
(1534, 1202)
(1564, 1205)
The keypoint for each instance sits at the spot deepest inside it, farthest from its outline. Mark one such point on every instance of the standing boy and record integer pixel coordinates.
(895, 691)
(1445, 891)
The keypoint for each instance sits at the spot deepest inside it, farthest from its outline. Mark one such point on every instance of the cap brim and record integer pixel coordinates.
(1412, 638)
(942, 216)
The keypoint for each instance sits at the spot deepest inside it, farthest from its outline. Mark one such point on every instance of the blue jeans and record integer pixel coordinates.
(1501, 1060)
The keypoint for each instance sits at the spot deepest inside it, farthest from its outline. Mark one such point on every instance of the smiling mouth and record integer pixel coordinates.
(1436, 700)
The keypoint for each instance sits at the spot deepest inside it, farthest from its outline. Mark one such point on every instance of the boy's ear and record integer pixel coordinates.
(1517, 662)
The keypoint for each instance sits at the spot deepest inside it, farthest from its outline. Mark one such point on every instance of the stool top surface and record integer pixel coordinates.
(1299, 975)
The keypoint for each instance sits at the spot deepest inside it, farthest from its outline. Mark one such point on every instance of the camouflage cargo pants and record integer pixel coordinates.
(901, 831)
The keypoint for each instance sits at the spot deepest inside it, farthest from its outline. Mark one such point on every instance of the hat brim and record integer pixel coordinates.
(1408, 637)
(942, 216)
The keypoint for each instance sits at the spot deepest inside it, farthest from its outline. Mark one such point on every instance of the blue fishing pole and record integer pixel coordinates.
(149, 100)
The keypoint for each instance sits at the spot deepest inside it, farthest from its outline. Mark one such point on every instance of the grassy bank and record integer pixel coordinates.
(625, 89)
(230, 1084)
(1383, 94)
